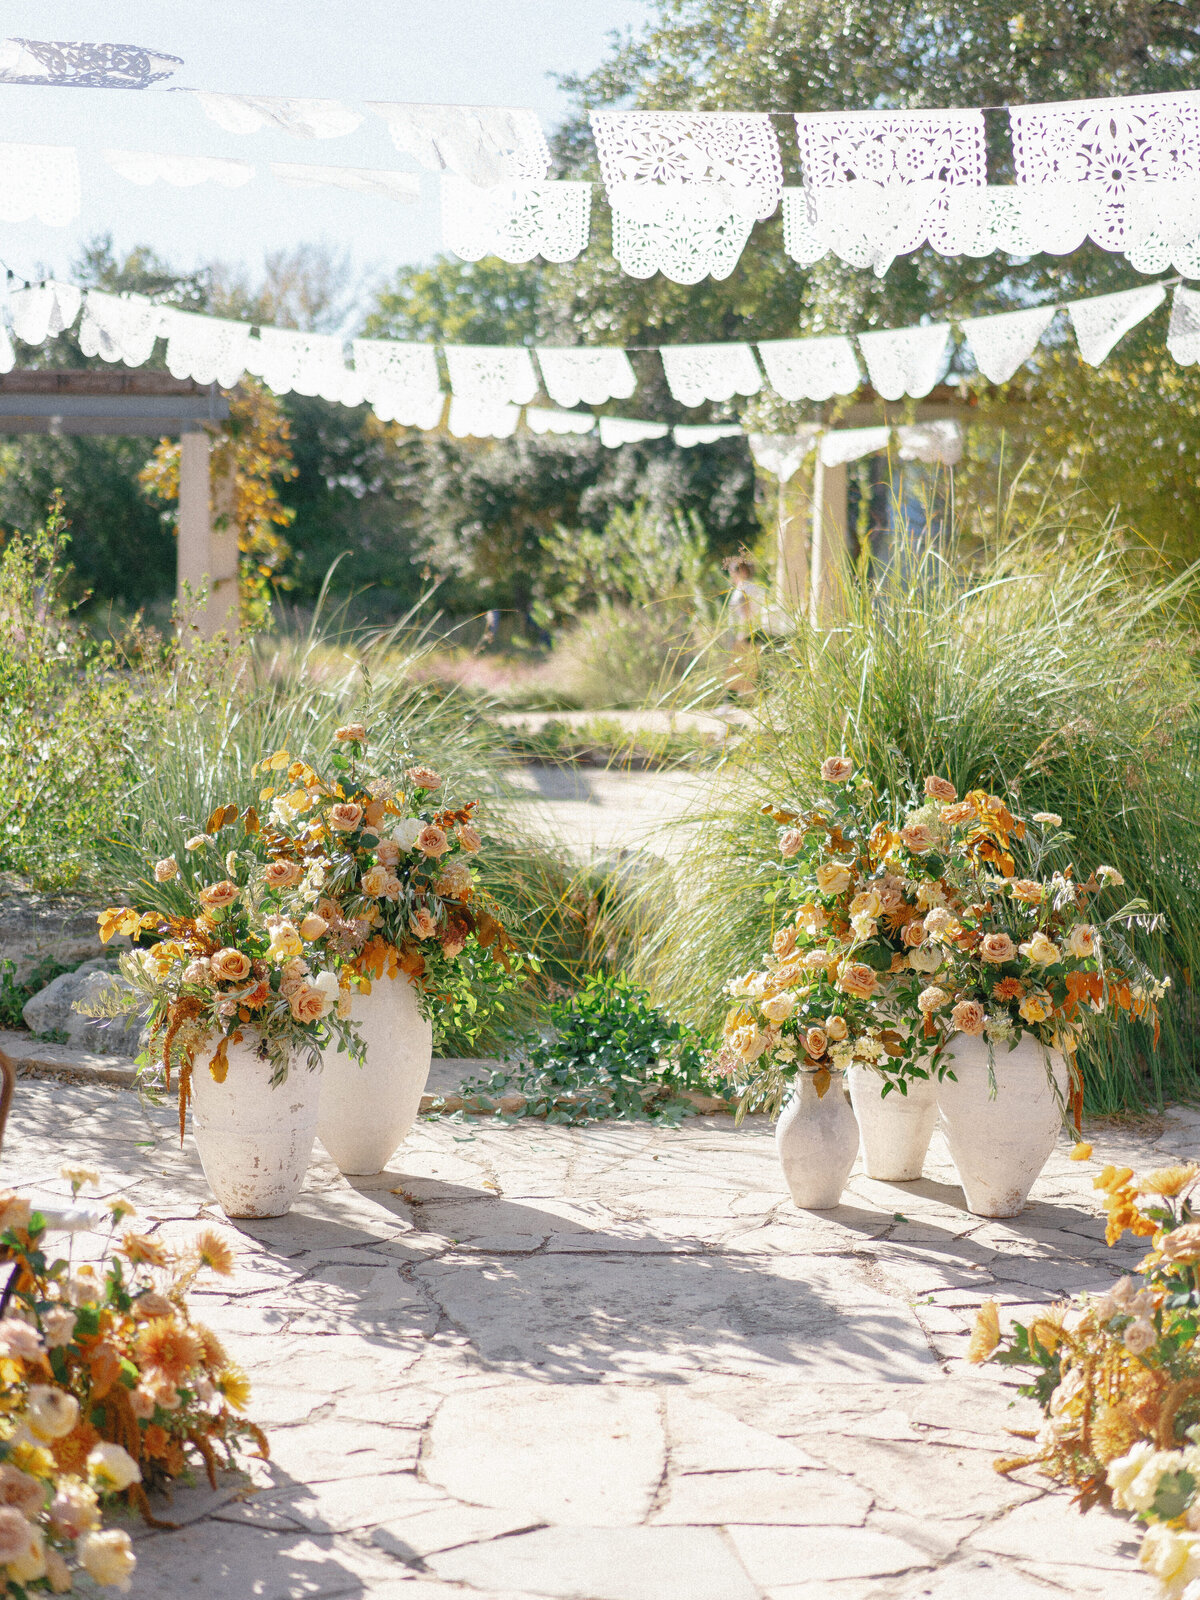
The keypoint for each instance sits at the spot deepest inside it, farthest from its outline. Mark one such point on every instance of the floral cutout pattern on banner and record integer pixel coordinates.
(697, 373)
(119, 327)
(516, 221)
(891, 147)
(580, 375)
(904, 361)
(1004, 343)
(206, 349)
(810, 369)
(71, 64)
(499, 374)
(1102, 320)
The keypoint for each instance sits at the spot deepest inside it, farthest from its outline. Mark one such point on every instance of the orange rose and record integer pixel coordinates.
(256, 997)
(219, 895)
(815, 1042)
(916, 838)
(423, 778)
(345, 816)
(455, 881)
(387, 853)
(836, 769)
(913, 934)
(967, 1017)
(312, 927)
(307, 1004)
(282, 874)
(1028, 890)
(962, 812)
(352, 732)
(432, 840)
(997, 948)
(468, 837)
(857, 979)
(940, 789)
(231, 966)
(423, 923)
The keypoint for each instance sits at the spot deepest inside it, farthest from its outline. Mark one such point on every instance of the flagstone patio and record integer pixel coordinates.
(616, 1364)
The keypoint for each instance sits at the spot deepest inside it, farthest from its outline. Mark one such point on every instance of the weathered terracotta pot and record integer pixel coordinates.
(367, 1112)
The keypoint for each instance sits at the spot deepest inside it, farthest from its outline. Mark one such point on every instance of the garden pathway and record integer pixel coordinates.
(616, 1364)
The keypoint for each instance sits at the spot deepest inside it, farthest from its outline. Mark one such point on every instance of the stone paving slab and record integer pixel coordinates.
(615, 1363)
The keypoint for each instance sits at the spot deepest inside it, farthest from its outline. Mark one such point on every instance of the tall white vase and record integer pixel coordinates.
(817, 1141)
(895, 1128)
(1000, 1144)
(367, 1112)
(254, 1140)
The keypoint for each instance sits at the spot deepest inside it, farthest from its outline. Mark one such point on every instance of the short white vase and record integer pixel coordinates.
(367, 1112)
(895, 1128)
(817, 1140)
(254, 1139)
(1000, 1143)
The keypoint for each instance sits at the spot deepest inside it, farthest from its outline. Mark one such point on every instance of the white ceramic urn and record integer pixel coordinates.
(895, 1129)
(817, 1140)
(367, 1112)
(1000, 1142)
(254, 1139)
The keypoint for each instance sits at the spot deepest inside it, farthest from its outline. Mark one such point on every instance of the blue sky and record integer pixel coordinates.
(497, 52)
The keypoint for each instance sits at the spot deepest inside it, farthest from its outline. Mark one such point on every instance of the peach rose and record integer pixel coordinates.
(15, 1534)
(962, 812)
(353, 732)
(455, 881)
(833, 877)
(778, 1007)
(345, 816)
(468, 837)
(815, 1042)
(375, 881)
(931, 999)
(423, 923)
(836, 769)
(997, 948)
(166, 869)
(913, 934)
(432, 840)
(423, 778)
(230, 966)
(312, 927)
(858, 979)
(387, 853)
(791, 842)
(1027, 890)
(916, 838)
(784, 943)
(282, 874)
(307, 1004)
(941, 789)
(968, 1017)
(218, 895)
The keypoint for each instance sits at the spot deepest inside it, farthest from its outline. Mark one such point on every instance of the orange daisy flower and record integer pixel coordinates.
(215, 1253)
(1009, 989)
(169, 1348)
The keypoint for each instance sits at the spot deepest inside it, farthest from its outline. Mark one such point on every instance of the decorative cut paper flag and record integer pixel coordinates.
(472, 417)
(42, 310)
(851, 444)
(1003, 343)
(1162, 227)
(119, 327)
(39, 181)
(8, 356)
(733, 154)
(303, 119)
(686, 234)
(147, 166)
(540, 420)
(1183, 335)
(904, 361)
(499, 374)
(616, 431)
(575, 375)
(208, 349)
(782, 455)
(934, 443)
(864, 224)
(1102, 320)
(892, 147)
(68, 64)
(1110, 144)
(810, 369)
(304, 363)
(388, 367)
(401, 407)
(485, 145)
(402, 186)
(700, 372)
(515, 221)
(704, 433)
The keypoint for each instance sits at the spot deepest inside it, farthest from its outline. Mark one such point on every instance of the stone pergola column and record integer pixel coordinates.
(207, 570)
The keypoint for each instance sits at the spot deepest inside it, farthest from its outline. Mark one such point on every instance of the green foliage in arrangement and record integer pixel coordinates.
(606, 1053)
(1057, 670)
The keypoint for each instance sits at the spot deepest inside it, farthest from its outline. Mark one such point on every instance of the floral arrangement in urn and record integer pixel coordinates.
(107, 1389)
(901, 928)
(1117, 1376)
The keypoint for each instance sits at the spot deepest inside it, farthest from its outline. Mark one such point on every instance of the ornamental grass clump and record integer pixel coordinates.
(1054, 668)
(1117, 1375)
(901, 924)
(108, 1390)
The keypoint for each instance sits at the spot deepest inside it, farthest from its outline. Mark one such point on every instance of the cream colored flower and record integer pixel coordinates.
(58, 1326)
(1181, 1244)
(997, 948)
(930, 896)
(50, 1413)
(375, 881)
(19, 1341)
(230, 966)
(866, 902)
(815, 1042)
(791, 842)
(285, 943)
(926, 960)
(423, 923)
(778, 1007)
(932, 999)
(74, 1509)
(747, 1042)
(835, 1028)
(1111, 876)
(1048, 819)
(21, 1489)
(1043, 952)
(784, 943)
(198, 841)
(112, 1469)
(836, 769)
(468, 836)
(833, 877)
(327, 984)
(218, 895)
(107, 1557)
(941, 789)
(15, 1534)
(58, 1573)
(863, 928)
(1082, 941)
(406, 833)
(1172, 1557)
(166, 869)
(30, 1565)
(387, 853)
(968, 1017)
(454, 881)
(917, 838)
(1139, 1337)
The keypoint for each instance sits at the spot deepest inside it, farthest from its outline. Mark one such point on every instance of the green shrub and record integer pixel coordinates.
(1059, 672)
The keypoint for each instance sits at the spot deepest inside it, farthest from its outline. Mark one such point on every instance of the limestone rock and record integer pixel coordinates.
(53, 1010)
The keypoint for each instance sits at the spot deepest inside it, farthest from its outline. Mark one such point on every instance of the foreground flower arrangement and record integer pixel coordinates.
(1118, 1376)
(107, 1389)
(908, 929)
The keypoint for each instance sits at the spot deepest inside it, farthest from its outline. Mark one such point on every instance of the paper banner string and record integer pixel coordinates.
(782, 455)
(66, 64)
(616, 431)
(891, 147)
(1104, 319)
(1183, 335)
(584, 375)
(810, 369)
(933, 443)
(303, 119)
(207, 349)
(406, 373)
(492, 374)
(687, 437)
(515, 221)
(148, 166)
(485, 145)
(540, 420)
(473, 417)
(119, 327)
(697, 373)
(732, 154)
(404, 187)
(1002, 344)
(43, 310)
(904, 361)
(851, 444)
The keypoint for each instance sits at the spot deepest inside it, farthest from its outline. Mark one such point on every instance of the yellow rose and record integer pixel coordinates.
(778, 1007)
(836, 1029)
(375, 881)
(112, 1469)
(107, 1557)
(313, 926)
(1041, 951)
(285, 943)
(866, 903)
(1035, 1007)
(833, 878)
(1082, 941)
